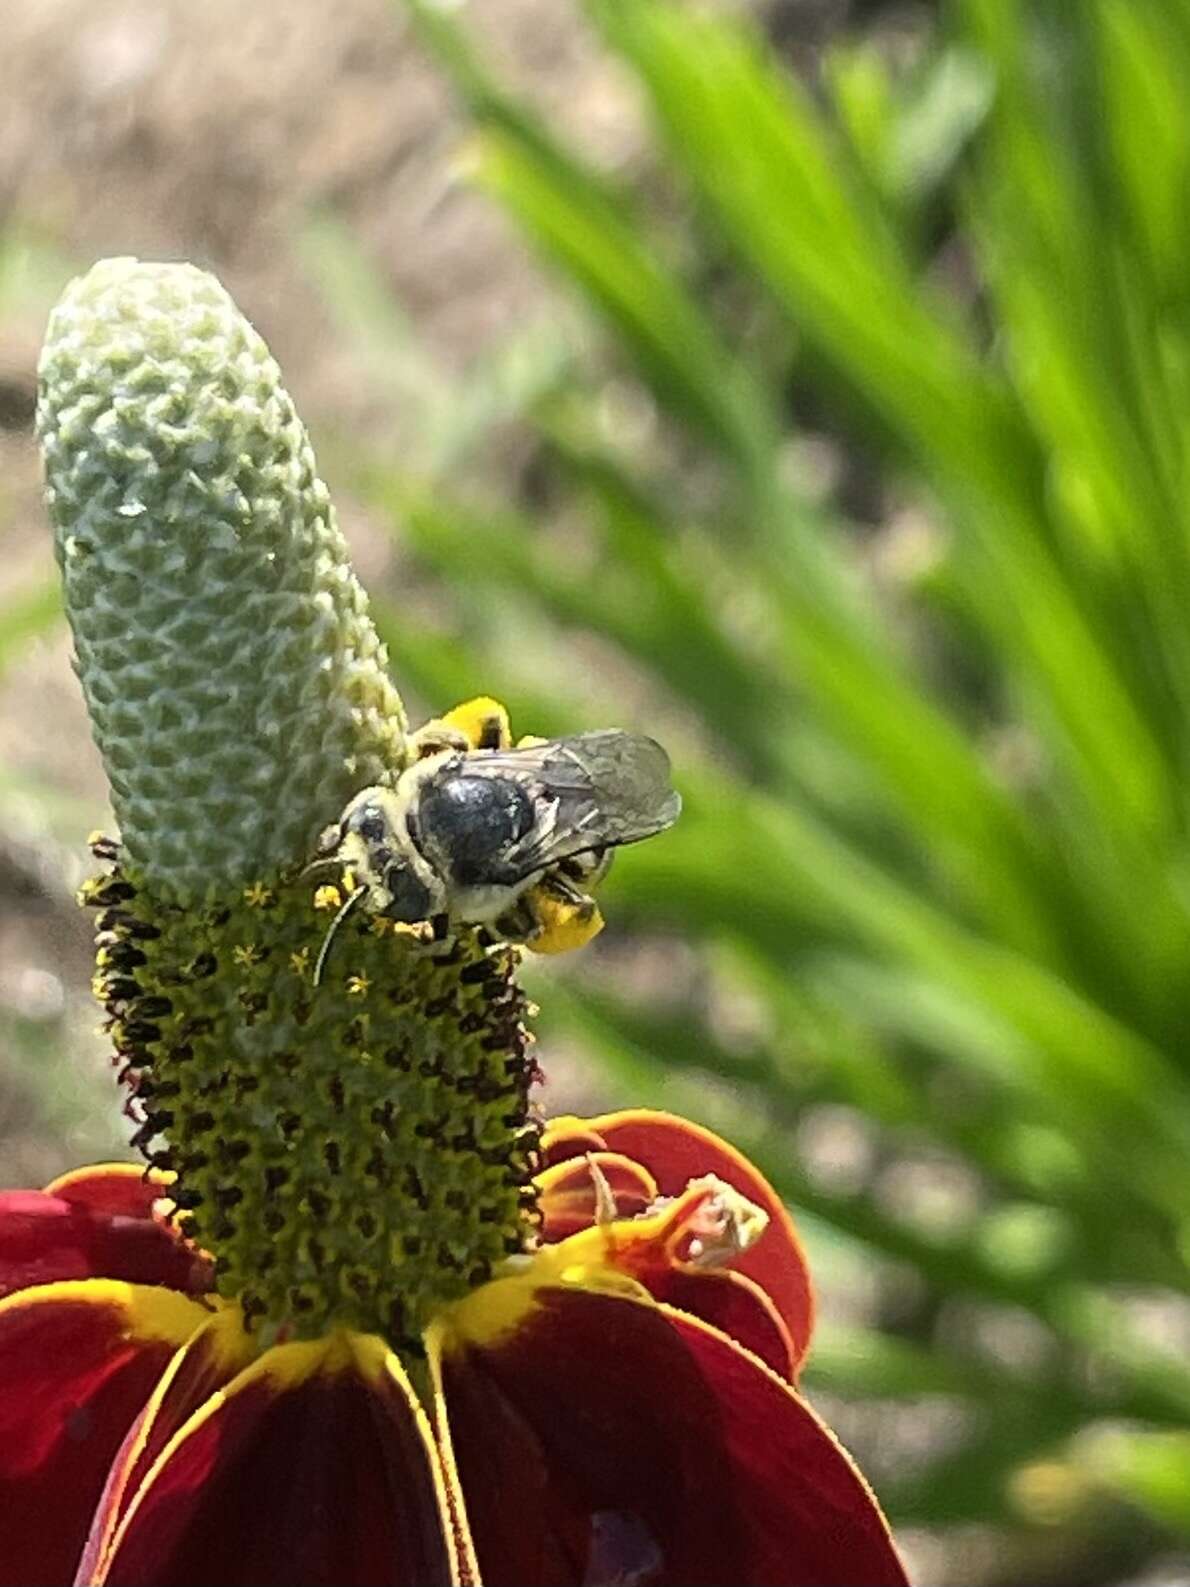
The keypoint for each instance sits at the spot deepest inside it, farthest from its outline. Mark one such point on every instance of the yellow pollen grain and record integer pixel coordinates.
(257, 895)
(327, 897)
(246, 954)
(299, 962)
(357, 985)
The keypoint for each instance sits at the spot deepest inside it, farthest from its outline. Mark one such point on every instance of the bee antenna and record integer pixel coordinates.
(327, 859)
(341, 914)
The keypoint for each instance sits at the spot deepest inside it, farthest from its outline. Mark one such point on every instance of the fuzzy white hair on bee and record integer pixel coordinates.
(466, 834)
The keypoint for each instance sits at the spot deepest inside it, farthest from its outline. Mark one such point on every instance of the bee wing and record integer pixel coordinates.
(601, 790)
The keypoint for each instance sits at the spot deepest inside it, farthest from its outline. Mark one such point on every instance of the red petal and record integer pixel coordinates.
(676, 1250)
(77, 1362)
(44, 1239)
(315, 1465)
(126, 1188)
(203, 1365)
(676, 1151)
(607, 1440)
(732, 1303)
(569, 1192)
(567, 1137)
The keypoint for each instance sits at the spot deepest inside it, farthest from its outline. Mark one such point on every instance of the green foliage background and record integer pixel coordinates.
(858, 472)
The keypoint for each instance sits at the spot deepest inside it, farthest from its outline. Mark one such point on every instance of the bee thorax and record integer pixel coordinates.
(466, 825)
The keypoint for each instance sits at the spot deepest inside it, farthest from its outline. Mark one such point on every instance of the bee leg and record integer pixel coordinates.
(435, 736)
(476, 724)
(519, 923)
(564, 917)
(589, 869)
(438, 937)
(483, 722)
(557, 885)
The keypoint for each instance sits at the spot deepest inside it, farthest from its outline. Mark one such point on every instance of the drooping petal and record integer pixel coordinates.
(570, 1192)
(602, 1439)
(567, 1137)
(733, 1303)
(129, 1189)
(678, 1249)
(207, 1362)
(77, 1363)
(314, 1465)
(676, 1151)
(46, 1238)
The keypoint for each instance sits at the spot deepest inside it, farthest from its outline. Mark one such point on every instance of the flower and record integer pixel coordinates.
(362, 1319)
(619, 1408)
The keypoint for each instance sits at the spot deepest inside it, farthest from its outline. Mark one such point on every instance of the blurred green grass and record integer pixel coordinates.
(932, 878)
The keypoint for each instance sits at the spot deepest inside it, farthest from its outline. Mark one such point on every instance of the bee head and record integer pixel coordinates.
(375, 847)
(409, 899)
(372, 818)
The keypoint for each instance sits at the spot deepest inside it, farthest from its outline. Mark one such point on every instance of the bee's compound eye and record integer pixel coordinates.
(370, 822)
(410, 899)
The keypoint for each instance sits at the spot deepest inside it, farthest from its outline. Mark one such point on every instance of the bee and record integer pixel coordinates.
(467, 834)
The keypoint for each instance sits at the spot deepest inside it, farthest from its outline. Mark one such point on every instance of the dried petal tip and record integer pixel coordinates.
(236, 685)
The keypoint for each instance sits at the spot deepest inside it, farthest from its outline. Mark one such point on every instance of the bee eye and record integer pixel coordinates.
(410, 898)
(370, 824)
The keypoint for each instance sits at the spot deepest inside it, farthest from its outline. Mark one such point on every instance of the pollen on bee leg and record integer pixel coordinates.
(563, 925)
(482, 721)
(435, 736)
(327, 897)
